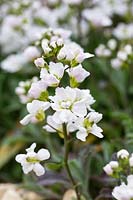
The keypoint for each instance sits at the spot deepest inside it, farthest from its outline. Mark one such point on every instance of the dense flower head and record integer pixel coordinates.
(122, 165)
(70, 105)
(31, 160)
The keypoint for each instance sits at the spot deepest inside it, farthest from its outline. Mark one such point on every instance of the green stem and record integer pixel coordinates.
(66, 144)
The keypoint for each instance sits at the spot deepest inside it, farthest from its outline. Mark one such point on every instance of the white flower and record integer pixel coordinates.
(96, 17)
(39, 62)
(13, 63)
(31, 53)
(124, 192)
(31, 160)
(82, 56)
(78, 73)
(116, 63)
(45, 46)
(56, 121)
(63, 116)
(122, 55)
(102, 51)
(36, 112)
(73, 52)
(53, 126)
(122, 154)
(123, 31)
(110, 167)
(37, 89)
(112, 43)
(87, 125)
(128, 49)
(53, 75)
(73, 99)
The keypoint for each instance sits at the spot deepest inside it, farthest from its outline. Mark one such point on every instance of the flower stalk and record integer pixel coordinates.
(66, 155)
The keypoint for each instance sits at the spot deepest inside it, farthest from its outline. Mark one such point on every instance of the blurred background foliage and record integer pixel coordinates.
(113, 91)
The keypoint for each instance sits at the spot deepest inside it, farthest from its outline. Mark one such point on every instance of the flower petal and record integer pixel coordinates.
(26, 120)
(38, 169)
(43, 154)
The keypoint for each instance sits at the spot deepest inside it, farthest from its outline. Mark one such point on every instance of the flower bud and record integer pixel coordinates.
(122, 154)
(39, 62)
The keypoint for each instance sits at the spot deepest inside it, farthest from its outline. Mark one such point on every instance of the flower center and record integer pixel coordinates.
(87, 124)
(65, 104)
(40, 116)
(32, 159)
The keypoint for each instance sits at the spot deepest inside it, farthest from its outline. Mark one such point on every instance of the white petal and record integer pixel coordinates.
(38, 169)
(20, 158)
(81, 135)
(26, 119)
(43, 73)
(43, 154)
(49, 129)
(79, 108)
(96, 130)
(78, 73)
(71, 127)
(94, 117)
(56, 69)
(36, 105)
(31, 148)
(27, 167)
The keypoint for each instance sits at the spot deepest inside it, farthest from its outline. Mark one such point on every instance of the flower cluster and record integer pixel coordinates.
(122, 169)
(106, 51)
(123, 58)
(70, 105)
(119, 57)
(23, 22)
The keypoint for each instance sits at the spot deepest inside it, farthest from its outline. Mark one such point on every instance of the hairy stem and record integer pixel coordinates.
(66, 144)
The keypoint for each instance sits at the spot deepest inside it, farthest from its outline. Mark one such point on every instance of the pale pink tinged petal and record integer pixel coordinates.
(79, 108)
(107, 168)
(43, 73)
